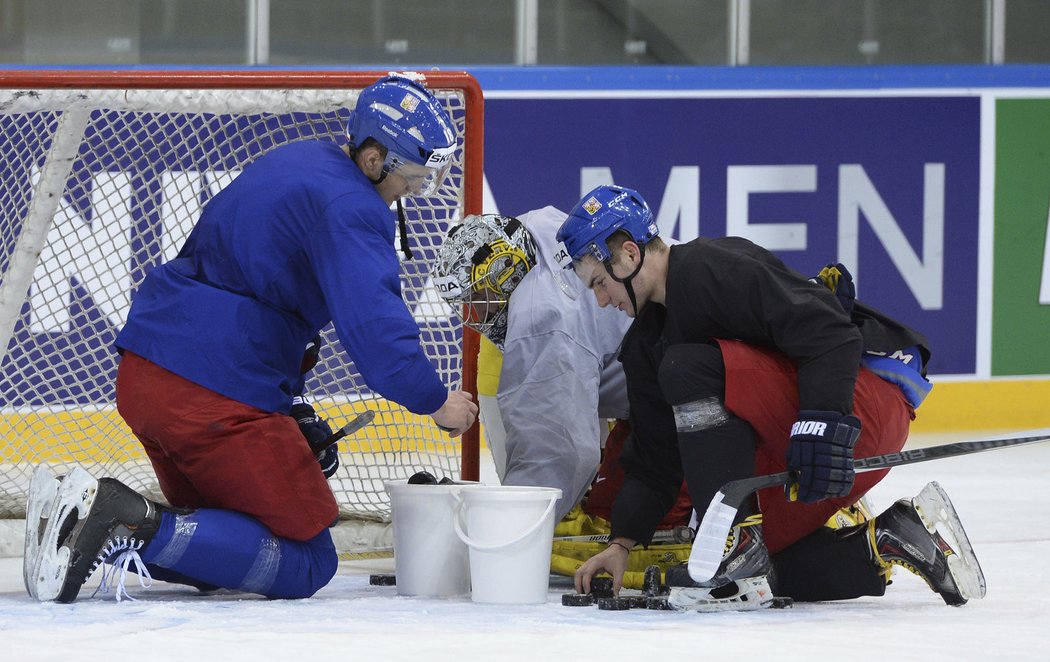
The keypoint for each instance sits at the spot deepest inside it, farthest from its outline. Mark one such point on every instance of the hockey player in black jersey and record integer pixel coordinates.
(736, 366)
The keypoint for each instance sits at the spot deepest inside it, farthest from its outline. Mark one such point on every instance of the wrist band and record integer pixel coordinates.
(620, 544)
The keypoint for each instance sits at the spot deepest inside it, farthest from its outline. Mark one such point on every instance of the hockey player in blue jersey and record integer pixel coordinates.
(211, 365)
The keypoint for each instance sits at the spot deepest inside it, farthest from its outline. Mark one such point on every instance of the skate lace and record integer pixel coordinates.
(887, 564)
(121, 552)
(750, 520)
(912, 569)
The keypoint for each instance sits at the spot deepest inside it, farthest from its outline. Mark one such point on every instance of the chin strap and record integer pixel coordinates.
(626, 280)
(402, 226)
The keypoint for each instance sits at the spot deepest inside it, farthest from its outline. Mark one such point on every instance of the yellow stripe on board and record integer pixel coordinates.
(1020, 404)
(67, 436)
(101, 435)
(366, 555)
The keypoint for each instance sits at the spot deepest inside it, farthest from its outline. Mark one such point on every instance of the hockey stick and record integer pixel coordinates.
(679, 536)
(355, 424)
(706, 554)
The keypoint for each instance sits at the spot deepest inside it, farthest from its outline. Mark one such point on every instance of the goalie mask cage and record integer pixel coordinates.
(104, 174)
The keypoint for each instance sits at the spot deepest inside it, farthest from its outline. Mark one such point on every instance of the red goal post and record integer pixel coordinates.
(103, 173)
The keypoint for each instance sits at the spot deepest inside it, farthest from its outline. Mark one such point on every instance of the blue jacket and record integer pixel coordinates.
(299, 239)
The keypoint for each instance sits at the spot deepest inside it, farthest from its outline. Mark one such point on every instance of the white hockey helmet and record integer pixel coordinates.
(478, 266)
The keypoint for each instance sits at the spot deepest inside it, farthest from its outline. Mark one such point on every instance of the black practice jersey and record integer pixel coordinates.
(731, 288)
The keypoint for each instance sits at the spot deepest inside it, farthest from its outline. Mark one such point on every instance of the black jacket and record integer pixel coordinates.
(731, 288)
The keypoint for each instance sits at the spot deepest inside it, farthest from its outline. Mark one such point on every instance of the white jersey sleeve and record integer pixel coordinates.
(560, 375)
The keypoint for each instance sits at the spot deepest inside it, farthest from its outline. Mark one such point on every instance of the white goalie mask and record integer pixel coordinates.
(478, 266)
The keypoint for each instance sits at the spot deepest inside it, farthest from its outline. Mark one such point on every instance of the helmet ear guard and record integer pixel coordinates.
(479, 265)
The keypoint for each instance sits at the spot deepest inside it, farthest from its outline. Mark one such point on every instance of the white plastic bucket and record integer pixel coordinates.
(509, 531)
(430, 560)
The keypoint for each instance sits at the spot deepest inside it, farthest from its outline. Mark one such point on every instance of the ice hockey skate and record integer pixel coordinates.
(741, 582)
(43, 487)
(925, 536)
(90, 521)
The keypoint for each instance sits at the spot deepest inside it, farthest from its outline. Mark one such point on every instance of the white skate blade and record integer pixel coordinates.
(43, 488)
(73, 500)
(938, 515)
(752, 594)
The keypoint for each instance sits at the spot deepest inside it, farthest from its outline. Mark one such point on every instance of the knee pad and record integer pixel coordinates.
(698, 415)
(691, 372)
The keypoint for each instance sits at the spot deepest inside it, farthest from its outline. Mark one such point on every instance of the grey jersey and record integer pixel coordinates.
(560, 374)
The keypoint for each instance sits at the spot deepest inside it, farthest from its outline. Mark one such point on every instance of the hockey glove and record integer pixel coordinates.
(837, 278)
(316, 430)
(820, 455)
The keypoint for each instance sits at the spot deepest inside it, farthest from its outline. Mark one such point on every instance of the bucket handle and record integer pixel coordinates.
(473, 544)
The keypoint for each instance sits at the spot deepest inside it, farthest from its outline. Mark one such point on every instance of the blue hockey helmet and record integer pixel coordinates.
(408, 120)
(602, 212)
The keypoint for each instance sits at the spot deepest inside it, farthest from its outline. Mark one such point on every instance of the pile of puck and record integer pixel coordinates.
(654, 595)
(427, 478)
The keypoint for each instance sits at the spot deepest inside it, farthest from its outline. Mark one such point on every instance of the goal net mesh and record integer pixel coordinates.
(99, 186)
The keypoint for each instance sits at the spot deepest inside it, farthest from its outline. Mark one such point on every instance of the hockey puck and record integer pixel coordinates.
(659, 603)
(635, 601)
(382, 580)
(577, 599)
(651, 581)
(422, 478)
(601, 587)
(782, 603)
(614, 604)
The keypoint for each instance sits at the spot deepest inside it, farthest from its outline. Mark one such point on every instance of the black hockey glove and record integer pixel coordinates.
(821, 455)
(316, 430)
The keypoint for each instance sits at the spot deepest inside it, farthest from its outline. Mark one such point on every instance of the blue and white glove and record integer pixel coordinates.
(821, 455)
(316, 430)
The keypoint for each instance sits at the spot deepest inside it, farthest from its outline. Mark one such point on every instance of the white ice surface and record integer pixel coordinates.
(1001, 497)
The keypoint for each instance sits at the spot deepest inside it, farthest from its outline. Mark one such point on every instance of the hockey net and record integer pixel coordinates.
(103, 176)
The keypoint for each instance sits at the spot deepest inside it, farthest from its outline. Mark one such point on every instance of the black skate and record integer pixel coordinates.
(741, 582)
(925, 536)
(90, 522)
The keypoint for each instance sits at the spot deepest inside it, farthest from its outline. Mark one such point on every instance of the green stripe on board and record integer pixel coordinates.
(1020, 323)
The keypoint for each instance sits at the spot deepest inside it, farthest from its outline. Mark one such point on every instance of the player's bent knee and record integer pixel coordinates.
(690, 372)
(698, 415)
(305, 568)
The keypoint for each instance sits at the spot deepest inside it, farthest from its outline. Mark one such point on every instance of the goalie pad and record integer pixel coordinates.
(858, 513)
(568, 555)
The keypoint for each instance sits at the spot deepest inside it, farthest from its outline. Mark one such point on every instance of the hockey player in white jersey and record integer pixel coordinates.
(559, 348)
